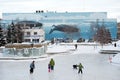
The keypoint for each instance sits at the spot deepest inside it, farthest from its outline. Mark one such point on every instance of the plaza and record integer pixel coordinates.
(96, 66)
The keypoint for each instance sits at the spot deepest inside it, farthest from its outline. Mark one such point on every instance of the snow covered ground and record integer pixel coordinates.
(96, 66)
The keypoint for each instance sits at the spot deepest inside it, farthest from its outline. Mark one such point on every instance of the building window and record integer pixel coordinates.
(27, 40)
(35, 40)
(28, 33)
(35, 33)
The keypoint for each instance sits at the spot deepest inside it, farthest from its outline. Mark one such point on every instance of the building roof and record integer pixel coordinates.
(37, 24)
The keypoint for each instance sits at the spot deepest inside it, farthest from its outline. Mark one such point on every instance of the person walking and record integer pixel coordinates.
(80, 66)
(75, 46)
(115, 44)
(32, 67)
(52, 64)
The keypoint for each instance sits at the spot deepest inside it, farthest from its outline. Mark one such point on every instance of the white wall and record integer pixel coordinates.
(0, 15)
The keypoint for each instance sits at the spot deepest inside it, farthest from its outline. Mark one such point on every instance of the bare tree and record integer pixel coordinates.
(103, 36)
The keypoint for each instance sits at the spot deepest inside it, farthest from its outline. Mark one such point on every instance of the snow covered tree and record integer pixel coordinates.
(2, 37)
(9, 36)
(11, 33)
(14, 34)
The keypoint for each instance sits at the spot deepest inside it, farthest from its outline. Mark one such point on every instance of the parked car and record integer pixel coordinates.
(68, 40)
(81, 40)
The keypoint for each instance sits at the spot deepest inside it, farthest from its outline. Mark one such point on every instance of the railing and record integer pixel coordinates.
(24, 52)
(32, 36)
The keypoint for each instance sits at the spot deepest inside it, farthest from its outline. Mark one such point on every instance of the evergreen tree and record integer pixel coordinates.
(11, 33)
(2, 37)
(9, 36)
(14, 34)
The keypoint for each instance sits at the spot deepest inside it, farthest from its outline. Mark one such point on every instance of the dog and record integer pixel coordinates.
(75, 66)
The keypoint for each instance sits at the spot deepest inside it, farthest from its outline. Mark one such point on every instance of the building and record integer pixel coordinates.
(33, 31)
(55, 24)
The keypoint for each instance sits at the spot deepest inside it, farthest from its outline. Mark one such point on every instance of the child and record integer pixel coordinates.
(80, 66)
(49, 67)
(52, 64)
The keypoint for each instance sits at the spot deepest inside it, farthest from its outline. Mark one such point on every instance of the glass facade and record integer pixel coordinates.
(86, 22)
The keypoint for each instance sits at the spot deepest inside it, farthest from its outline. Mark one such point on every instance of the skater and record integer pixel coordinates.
(32, 67)
(80, 66)
(49, 67)
(75, 46)
(52, 64)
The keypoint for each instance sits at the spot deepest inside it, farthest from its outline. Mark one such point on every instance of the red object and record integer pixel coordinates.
(48, 70)
(110, 59)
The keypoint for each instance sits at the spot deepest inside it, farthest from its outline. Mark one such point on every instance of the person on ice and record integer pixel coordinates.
(32, 67)
(75, 46)
(52, 64)
(49, 67)
(80, 66)
(115, 44)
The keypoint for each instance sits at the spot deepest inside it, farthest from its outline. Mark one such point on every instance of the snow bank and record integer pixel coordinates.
(116, 58)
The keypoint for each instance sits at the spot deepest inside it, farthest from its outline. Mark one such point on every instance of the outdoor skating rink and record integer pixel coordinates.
(96, 67)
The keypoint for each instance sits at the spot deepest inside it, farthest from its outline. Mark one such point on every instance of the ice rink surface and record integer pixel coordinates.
(96, 67)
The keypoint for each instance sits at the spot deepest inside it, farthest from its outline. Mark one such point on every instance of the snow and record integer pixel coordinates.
(56, 49)
(96, 65)
(116, 59)
(86, 48)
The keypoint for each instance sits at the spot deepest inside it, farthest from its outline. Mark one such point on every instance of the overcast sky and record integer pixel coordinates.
(19, 6)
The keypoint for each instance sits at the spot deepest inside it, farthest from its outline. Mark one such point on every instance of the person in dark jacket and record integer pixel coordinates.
(115, 45)
(32, 67)
(75, 46)
(80, 66)
(52, 64)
